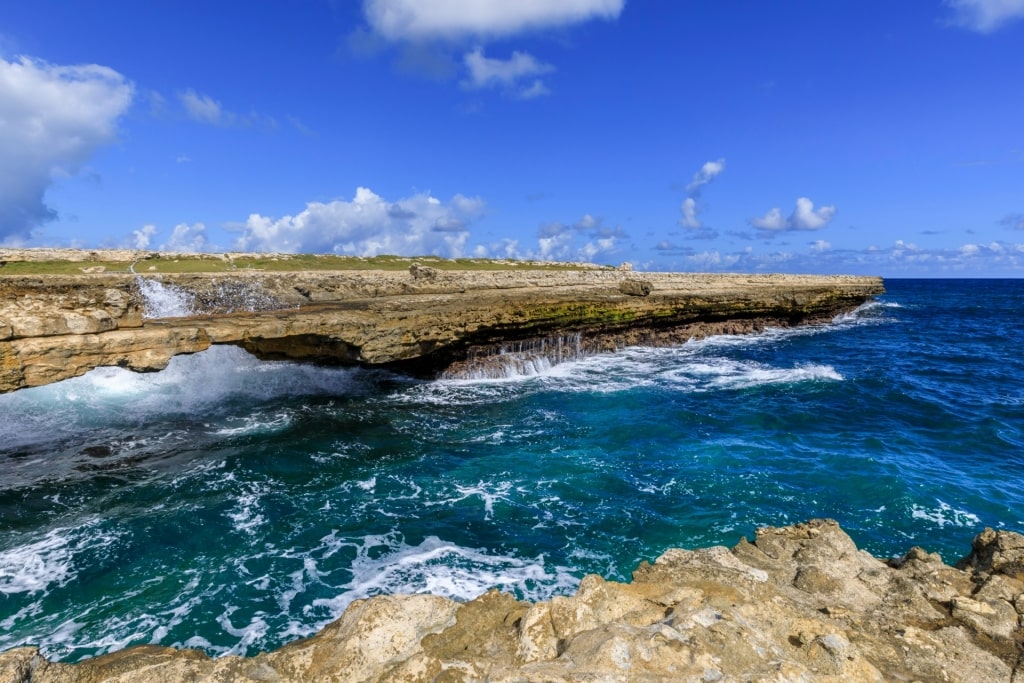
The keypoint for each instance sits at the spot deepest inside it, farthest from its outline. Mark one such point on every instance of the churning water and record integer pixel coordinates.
(233, 505)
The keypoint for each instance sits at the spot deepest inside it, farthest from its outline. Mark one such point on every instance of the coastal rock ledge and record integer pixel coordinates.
(424, 321)
(800, 603)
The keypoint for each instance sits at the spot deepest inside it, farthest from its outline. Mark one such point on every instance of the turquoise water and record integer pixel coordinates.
(234, 505)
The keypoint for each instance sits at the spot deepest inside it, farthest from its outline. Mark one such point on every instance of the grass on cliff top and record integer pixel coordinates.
(216, 263)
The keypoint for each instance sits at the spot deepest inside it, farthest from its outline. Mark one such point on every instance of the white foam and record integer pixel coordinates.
(249, 634)
(48, 562)
(190, 384)
(439, 567)
(247, 515)
(945, 514)
(163, 301)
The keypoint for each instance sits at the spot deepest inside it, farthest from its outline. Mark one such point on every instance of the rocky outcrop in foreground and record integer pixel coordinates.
(421, 320)
(800, 603)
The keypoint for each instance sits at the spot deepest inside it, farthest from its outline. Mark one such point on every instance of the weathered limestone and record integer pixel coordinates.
(800, 603)
(423, 320)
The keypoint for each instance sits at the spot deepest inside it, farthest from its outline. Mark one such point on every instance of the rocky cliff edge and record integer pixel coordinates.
(420, 320)
(799, 603)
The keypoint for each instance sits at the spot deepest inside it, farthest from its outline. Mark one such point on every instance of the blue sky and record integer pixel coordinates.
(767, 136)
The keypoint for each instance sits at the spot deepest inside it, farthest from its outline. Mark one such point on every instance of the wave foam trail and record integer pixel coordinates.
(729, 374)
(439, 567)
(48, 562)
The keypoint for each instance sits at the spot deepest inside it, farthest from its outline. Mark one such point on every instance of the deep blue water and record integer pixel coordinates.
(234, 505)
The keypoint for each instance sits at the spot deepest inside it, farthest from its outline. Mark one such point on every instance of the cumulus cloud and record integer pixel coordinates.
(368, 225)
(708, 172)
(52, 120)
(426, 19)
(587, 239)
(188, 238)
(507, 74)
(985, 16)
(804, 217)
(143, 237)
(690, 208)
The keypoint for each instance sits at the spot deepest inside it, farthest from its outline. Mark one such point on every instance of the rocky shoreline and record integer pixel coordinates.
(799, 603)
(420, 320)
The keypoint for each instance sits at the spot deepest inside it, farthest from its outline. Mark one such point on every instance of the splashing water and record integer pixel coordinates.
(164, 301)
(234, 504)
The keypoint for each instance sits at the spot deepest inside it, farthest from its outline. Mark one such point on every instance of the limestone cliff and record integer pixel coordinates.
(800, 603)
(420, 320)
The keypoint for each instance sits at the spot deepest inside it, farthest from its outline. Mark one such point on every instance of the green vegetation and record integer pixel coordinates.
(216, 263)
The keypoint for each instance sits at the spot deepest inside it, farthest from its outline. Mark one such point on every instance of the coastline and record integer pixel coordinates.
(800, 602)
(422, 320)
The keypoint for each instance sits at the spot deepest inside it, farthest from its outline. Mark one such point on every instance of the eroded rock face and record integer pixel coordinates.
(423, 321)
(800, 603)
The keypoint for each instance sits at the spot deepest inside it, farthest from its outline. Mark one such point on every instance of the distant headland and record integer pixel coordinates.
(64, 312)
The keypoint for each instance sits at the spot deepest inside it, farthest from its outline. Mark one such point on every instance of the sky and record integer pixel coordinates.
(868, 137)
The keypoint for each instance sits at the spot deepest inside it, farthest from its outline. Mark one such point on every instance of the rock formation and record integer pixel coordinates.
(800, 603)
(423, 320)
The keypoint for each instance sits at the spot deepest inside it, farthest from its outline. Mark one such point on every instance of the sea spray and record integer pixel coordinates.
(228, 295)
(163, 301)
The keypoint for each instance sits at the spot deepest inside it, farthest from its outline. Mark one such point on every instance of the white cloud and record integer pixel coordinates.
(423, 19)
(689, 208)
(535, 89)
(985, 16)
(773, 220)
(367, 226)
(689, 211)
(561, 242)
(187, 238)
(820, 246)
(804, 217)
(143, 237)
(203, 108)
(486, 72)
(52, 120)
(705, 175)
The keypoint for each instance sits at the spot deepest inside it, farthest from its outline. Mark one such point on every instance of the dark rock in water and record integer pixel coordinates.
(97, 451)
(799, 603)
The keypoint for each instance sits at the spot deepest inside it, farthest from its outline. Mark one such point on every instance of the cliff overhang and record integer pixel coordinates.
(421, 320)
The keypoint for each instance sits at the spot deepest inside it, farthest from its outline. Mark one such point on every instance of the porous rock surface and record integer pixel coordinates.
(800, 603)
(425, 321)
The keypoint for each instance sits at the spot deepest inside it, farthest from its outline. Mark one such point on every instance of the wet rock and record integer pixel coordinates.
(797, 603)
(54, 327)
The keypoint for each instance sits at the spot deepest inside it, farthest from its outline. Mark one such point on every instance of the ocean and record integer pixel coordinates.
(233, 505)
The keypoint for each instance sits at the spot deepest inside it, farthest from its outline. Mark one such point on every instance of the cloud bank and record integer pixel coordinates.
(52, 120)
(368, 225)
